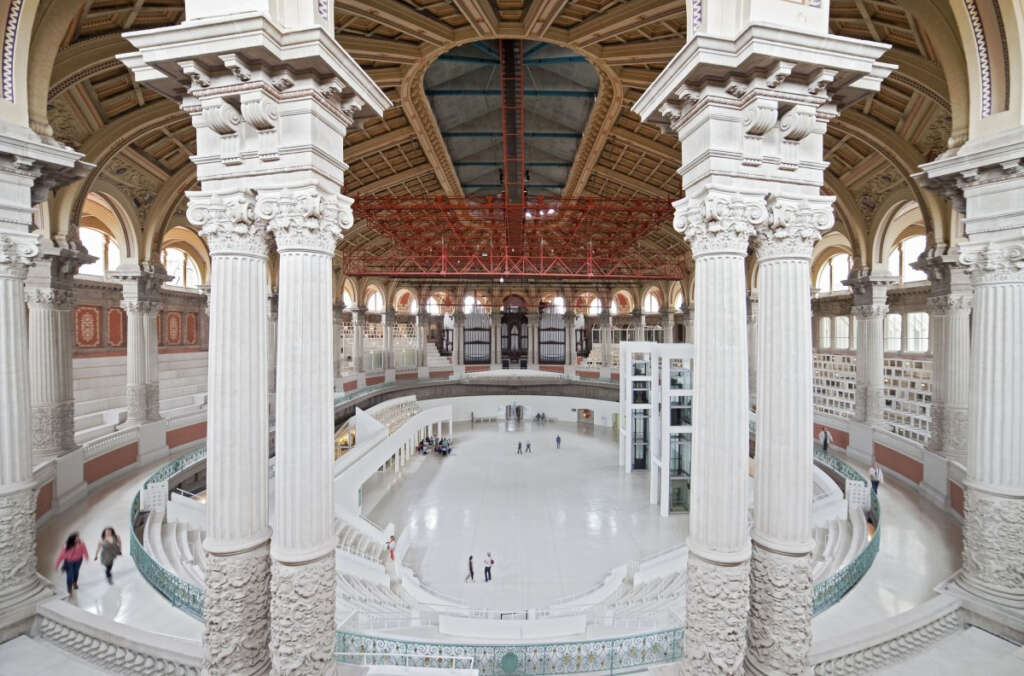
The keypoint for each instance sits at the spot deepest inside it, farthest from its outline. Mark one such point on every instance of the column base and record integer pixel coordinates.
(70, 480)
(152, 442)
(236, 614)
(21, 587)
(717, 603)
(993, 559)
(302, 601)
(781, 600)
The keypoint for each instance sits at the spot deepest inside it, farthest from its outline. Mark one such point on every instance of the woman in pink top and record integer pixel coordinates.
(71, 557)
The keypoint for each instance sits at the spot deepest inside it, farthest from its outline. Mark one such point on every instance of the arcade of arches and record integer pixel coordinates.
(825, 197)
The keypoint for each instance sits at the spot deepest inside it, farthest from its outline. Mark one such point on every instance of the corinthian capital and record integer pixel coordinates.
(719, 222)
(994, 262)
(145, 307)
(228, 222)
(794, 227)
(305, 220)
(53, 299)
(17, 252)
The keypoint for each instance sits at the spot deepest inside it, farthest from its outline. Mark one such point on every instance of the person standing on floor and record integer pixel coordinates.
(876, 476)
(469, 576)
(107, 550)
(488, 561)
(529, 448)
(391, 548)
(519, 451)
(71, 558)
(826, 438)
(558, 441)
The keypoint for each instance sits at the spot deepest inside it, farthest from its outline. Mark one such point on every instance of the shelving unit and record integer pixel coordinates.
(908, 397)
(835, 383)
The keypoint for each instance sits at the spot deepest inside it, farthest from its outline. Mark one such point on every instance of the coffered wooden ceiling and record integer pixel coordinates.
(872, 147)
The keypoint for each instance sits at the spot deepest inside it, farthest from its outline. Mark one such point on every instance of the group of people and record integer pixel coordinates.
(75, 554)
(529, 446)
(540, 417)
(438, 445)
(488, 562)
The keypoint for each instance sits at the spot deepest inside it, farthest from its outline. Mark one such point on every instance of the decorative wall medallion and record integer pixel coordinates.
(190, 328)
(173, 328)
(87, 326)
(115, 327)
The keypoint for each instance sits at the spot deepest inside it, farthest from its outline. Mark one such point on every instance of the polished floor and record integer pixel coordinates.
(965, 653)
(555, 521)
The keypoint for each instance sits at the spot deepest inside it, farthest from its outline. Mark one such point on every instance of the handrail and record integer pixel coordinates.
(418, 659)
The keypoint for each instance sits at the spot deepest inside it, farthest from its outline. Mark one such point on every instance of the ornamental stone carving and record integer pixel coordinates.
(50, 298)
(781, 597)
(302, 599)
(866, 312)
(17, 541)
(145, 307)
(236, 614)
(943, 305)
(137, 408)
(228, 223)
(304, 220)
(994, 262)
(720, 222)
(993, 533)
(794, 227)
(17, 254)
(716, 610)
(152, 402)
(53, 428)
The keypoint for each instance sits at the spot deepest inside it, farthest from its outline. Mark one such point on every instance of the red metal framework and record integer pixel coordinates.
(568, 238)
(513, 145)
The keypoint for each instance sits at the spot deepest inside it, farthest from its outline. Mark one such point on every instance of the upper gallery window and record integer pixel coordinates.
(905, 253)
(181, 267)
(832, 273)
(651, 303)
(375, 302)
(103, 247)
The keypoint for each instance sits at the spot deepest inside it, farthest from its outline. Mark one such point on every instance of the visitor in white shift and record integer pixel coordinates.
(876, 476)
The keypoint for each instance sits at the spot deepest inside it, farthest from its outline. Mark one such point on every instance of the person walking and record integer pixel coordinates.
(519, 451)
(108, 549)
(469, 576)
(826, 439)
(488, 561)
(558, 441)
(529, 448)
(876, 476)
(391, 548)
(71, 558)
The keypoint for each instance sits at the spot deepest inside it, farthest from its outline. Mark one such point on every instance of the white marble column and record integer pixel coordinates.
(496, 336)
(237, 610)
(993, 556)
(272, 342)
(306, 225)
(668, 325)
(870, 309)
(135, 323)
(781, 595)
(752, 344)
(718, 226)
(605, 332)
(387, 323)
(50, 294)
(151, 340)
(570, 337)
(458, 339)
(141, 290)
(358, 339)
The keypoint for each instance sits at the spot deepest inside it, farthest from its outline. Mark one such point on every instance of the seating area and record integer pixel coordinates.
(370, 603)
(355, 541)
(100, 391)
(646, 602)
(838, 544)
(175, 546)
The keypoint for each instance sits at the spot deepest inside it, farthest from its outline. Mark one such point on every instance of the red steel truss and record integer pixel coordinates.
(468, 237)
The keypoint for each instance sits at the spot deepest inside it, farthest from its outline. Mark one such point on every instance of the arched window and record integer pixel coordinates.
(432, 306)
(347, 298)
(595, 307)
(614, 307)
(651, 303)
(375, 302)
(557, 305)
(906, 252)
(677, 302)
(181, 267)
(103, 247)
(414, 306)
(832, 273)
(469, 304)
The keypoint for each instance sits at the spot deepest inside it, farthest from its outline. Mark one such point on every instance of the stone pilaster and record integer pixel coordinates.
(422, 318)
(387, 322)
(496, 336)
(668, 325)
(49, 291)
(718, 226)
(570, 337)
(237, 609)
(870, 309)
(779, 631)
(605, 331)
(949, 334)
(306, 225)
(458, 339)
(358, 339)
(533, 338)
(141, 289)
(752, 346)
(993, 557)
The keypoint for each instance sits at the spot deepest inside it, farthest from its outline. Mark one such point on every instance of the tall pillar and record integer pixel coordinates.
(779, 634)
(870, 309)
(358, 339)
(533, 334)
(496, 336)
(237, 610)
(141, 290)
(387, 324)
(668, 325)
(746, 135)
(606, 336)
(25, 165)
(949, 335)
(422, 319)
(306, 225)
(458, 339)
(752, 344)
(50, 294)
(570, 337)
(272, 341)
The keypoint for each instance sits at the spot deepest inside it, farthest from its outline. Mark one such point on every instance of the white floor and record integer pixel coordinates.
(973, 651)
(23, 656)
(555, 521)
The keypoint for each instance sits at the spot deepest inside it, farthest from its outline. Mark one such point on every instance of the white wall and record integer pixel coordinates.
(554, 407)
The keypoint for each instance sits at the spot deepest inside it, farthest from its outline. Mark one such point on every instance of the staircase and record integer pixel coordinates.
(435, 359)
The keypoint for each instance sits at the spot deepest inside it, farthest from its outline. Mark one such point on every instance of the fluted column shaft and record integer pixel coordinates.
(668, 323)
(950, 338)
(606, 337)
(781, 594)
(870, 352)
(135, 340)
(387, 322)
(496, 337)
(421, 336)
(570, 337)
(237, 610)
(752, 344)
(718, 228)
(306, 225)
(19, 583)
(272, 342)
(993, 557)
(152, 351)
(358, 339)
(50, 367)
(458, 339)
(533, 338)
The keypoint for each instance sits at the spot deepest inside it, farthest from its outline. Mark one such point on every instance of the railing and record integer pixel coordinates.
(612, 655)
(406, 660)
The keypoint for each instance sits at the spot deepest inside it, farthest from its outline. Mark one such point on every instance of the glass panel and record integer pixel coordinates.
(641, 392)
(842, 329)
(917, 332)
(825, 332)
(680, 411)
(893, 333)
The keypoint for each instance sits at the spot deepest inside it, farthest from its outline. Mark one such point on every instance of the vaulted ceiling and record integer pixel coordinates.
(872, 147)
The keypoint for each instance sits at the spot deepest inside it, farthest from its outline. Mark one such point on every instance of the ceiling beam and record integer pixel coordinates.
(639, 78)
(648, 146)
(541, 14)
(480, 15)
(399, 17)
(380, 142)
(394, 179)
(389, 76)
(629, 182)
(641, 51)
(379, 49)
(624, 18)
